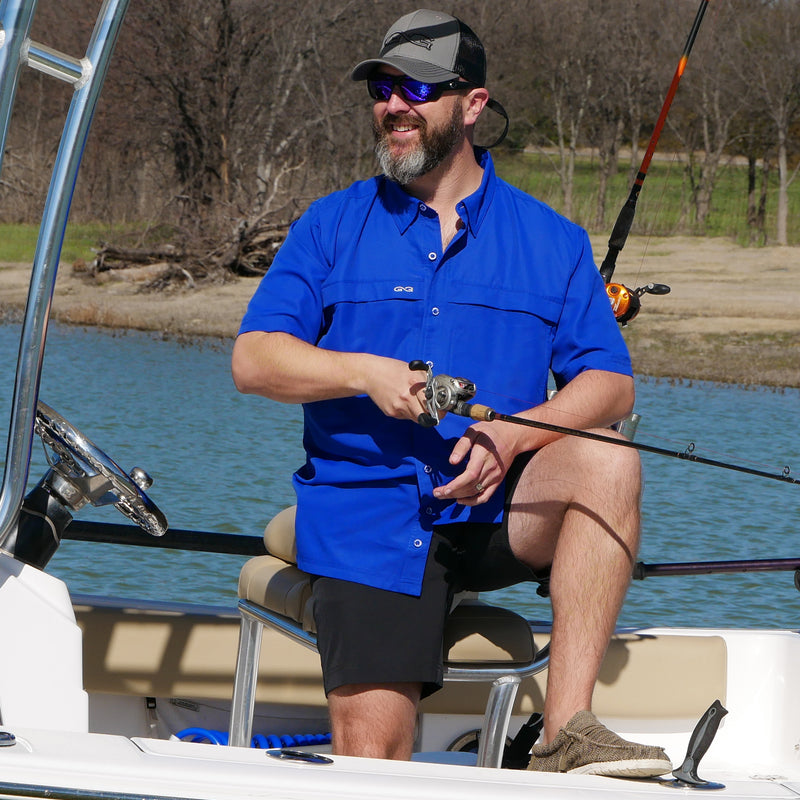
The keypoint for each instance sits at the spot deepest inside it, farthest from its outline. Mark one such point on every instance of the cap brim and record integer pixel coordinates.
(418, 70)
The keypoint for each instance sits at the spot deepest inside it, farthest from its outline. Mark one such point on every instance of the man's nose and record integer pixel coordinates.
(396, 103)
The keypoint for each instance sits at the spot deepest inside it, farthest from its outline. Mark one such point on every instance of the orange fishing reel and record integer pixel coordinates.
(625, 302)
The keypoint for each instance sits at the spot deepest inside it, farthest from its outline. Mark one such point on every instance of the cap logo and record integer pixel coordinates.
(418, 39)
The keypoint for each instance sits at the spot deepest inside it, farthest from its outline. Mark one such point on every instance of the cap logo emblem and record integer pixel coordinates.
(418, 39)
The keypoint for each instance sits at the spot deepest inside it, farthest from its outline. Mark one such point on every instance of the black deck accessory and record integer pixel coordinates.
(699, 742)
(517, 754)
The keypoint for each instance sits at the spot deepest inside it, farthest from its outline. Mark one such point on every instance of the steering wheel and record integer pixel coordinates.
(84, 473)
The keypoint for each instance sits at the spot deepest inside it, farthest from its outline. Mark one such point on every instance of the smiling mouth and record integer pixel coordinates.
(392, 124)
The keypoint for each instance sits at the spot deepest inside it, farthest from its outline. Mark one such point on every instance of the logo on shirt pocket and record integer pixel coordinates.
(409, 289)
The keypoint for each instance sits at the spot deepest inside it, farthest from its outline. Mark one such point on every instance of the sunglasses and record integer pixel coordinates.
(381, 87)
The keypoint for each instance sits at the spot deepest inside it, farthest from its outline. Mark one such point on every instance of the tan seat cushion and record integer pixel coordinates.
(476, 634)
(283, 588)
(279, 535)
(484, 636)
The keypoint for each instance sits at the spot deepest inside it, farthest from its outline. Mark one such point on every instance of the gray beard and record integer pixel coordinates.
(405, 168)
(434, 147)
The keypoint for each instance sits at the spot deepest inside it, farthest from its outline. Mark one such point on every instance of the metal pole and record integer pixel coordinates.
(16, 17)
(45, 264)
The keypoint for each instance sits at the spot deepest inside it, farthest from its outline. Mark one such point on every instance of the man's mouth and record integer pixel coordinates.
(393, 124)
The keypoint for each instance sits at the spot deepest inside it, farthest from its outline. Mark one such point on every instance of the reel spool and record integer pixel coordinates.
(625, 303)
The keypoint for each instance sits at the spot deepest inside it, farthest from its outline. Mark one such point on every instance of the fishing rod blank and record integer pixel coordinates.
(483, 413)
(622, 227)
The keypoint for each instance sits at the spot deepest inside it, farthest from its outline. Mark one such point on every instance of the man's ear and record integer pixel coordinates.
(474, 103)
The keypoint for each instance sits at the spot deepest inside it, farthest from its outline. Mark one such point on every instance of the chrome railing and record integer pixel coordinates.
(86, 76)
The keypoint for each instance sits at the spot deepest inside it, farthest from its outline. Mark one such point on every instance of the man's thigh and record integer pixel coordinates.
(373, 636)
(596, 481)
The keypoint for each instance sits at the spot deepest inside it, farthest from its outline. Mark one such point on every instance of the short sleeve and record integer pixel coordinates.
(587, 335)
(289, 297)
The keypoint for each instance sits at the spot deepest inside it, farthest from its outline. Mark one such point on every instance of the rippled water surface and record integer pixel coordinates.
(222, 462)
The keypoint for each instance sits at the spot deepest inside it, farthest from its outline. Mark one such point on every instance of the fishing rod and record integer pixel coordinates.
(444, 393)
(625, 302)
(641, 570)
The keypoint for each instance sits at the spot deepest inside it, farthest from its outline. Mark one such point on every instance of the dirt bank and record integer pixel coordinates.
(733, 314)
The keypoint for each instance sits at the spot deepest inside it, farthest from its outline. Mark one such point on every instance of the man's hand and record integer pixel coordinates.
(397, 390)
(489, 449)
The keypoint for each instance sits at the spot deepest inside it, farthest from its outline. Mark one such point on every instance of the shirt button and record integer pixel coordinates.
(431, 256)
(429, 510)
(417, 542)
(435, 311)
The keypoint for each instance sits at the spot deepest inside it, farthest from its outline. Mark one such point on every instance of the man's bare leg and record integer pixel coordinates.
(577, 506)
(374, 720)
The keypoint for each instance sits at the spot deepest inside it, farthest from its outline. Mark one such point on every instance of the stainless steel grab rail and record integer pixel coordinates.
(87, 76)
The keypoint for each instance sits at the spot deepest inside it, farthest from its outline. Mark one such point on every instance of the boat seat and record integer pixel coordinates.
(483, 643)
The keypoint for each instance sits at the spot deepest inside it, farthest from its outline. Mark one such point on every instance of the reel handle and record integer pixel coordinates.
(425, 419)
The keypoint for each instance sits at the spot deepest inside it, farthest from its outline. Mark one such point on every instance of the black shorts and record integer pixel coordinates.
(369, 635)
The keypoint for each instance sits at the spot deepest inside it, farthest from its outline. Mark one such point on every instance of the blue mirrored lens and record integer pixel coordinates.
(414, 91)
(417, 90)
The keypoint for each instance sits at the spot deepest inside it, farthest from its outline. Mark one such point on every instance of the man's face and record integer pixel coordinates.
(411, 138)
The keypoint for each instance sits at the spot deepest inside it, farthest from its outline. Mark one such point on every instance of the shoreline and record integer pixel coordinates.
(733, 315)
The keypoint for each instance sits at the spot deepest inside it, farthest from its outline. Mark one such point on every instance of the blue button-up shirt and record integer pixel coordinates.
(515, 295)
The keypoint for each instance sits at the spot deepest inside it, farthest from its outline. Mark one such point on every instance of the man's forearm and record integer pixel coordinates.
(285, 368)
(594, 399)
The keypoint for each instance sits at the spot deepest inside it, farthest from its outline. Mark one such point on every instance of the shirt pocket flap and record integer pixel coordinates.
(335, 292)
(513, 300)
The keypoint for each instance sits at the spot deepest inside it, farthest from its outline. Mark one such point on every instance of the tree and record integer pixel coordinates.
(775, 76)
(711, 104)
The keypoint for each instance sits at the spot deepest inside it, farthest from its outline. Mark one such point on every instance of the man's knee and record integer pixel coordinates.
(578, 461)
(374, 720)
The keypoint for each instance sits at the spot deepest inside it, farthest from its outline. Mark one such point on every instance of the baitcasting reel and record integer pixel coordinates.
(442, 394)
(625, 302)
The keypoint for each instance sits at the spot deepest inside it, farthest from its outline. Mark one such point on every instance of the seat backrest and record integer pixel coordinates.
(279, 535)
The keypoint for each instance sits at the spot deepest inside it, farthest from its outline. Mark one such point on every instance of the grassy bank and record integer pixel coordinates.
(664, 207)
(18, 241)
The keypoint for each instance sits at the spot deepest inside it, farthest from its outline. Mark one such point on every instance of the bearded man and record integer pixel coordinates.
(439, 259)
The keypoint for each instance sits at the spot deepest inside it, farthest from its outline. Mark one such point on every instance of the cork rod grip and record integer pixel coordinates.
(476, 411)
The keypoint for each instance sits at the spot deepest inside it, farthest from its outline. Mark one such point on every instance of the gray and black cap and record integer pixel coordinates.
(429, 46)
(434, 47)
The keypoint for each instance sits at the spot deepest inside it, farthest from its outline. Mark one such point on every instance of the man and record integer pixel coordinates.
(438, 259)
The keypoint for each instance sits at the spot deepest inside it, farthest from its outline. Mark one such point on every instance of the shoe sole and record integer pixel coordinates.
(638, 768)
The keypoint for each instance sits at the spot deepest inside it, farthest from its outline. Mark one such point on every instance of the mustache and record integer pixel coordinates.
(391, 120)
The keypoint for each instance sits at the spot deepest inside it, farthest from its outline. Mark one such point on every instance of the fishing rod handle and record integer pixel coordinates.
(476, 411)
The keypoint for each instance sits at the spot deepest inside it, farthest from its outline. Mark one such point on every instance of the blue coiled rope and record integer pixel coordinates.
(260, 741)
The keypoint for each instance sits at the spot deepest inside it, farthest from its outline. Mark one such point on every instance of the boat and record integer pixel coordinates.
(102, 697)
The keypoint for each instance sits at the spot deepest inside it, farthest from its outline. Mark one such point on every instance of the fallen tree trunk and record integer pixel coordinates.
(247, 252)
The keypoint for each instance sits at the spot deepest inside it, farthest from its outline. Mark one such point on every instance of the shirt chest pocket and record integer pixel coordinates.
(370, 316)
(535, 307)
(514, 329)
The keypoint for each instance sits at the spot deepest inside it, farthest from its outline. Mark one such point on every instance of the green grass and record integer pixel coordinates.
(18, 241)
(664, 206)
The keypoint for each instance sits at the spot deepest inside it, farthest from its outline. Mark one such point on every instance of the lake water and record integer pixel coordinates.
(222, 462)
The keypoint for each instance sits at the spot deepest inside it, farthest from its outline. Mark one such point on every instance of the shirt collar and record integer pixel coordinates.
(476, 206)
(405, 209)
